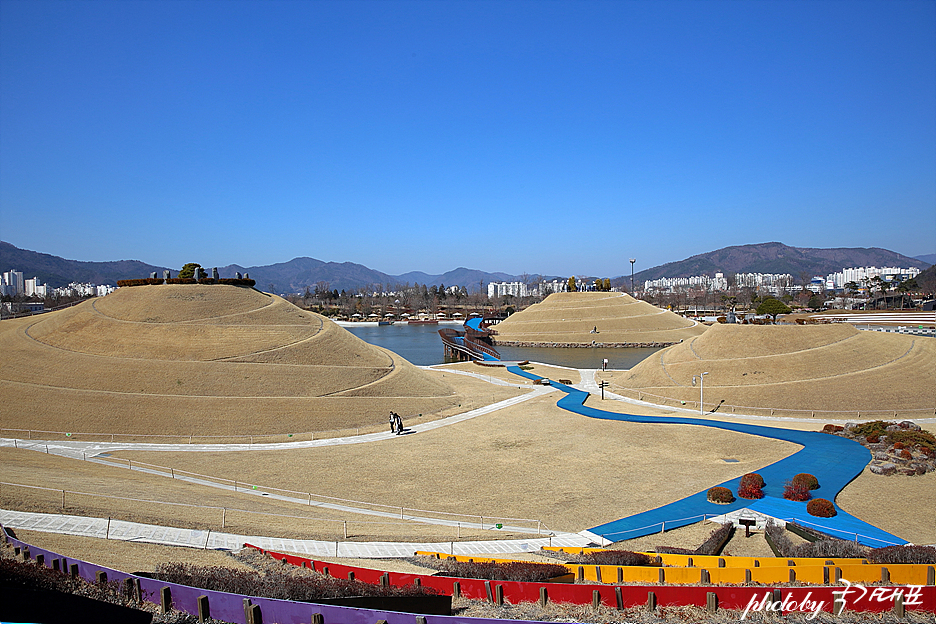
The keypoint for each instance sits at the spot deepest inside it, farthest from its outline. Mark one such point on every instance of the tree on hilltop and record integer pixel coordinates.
(773, 307)
(192, 270)
(571, 285)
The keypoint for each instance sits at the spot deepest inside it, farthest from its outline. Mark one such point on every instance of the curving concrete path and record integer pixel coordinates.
(834, 460)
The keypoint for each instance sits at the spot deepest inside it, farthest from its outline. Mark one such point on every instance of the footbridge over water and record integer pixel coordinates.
(472, 344)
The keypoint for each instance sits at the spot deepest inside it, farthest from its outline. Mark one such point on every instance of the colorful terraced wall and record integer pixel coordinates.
(677, 593)
(690, 570)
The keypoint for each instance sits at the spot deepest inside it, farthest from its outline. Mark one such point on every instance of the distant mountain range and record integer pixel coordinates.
(299, 273)
(285, 277)
(780, 258)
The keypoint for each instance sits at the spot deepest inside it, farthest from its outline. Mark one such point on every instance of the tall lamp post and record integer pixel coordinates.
(632, 261)
(701, 387)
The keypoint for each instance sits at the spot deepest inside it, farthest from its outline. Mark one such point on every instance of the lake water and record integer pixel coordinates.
(420, 344)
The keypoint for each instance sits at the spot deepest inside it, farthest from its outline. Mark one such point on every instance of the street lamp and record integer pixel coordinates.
(701, 381)
(632, 261)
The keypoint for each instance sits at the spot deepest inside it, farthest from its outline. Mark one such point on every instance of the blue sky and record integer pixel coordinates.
(558, 137)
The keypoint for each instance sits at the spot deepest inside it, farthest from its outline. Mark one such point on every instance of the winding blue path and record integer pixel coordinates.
(833, 459)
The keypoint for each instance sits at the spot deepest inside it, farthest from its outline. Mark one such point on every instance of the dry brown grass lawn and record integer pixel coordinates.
(571, 317)
(821, 368)
(201, 360)
(506, 464)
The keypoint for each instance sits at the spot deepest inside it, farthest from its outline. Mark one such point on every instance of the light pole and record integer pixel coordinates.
(632, 261)
(701, 387)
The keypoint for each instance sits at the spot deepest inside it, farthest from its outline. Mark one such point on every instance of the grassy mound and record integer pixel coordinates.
(572, 317)
(833, 368)
(203, 360)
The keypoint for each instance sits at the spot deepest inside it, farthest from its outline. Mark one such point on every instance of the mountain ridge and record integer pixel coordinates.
(299, 273)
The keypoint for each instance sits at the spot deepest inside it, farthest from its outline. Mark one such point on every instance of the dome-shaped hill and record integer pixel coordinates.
(792, 370)
(571, 318)
(200, 360)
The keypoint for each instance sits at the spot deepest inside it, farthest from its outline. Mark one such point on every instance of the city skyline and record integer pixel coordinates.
(520, 137)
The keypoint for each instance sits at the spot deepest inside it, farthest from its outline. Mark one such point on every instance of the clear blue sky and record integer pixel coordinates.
(559, 137)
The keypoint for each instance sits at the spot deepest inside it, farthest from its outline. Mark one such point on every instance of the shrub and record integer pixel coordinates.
(181, 280)
(873, 439)
(871, 428)
(752, 479)
(147, 281)
(921, 439)
(837, 548)
(781, 539)
(903, 554)
(832, 429)
(898, 446)
(717, 540)
(821, 507)
(206, 280)
(613, 557)
(720, 495)
(807, 480)
(512, 571)
(750, 492)
(233, 281)
(281, 584)
(905, 454)
(795, 491)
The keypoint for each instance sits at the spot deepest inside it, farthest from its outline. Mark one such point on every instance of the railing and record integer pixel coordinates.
(459, 341)
(742, 410)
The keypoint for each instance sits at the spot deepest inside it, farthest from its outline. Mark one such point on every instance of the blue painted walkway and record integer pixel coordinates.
(834, 460)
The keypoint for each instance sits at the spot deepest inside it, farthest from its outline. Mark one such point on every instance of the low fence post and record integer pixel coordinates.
(543, 597)
(165, 600)
(711, 602)
(651, 601)
(596, 599)
(204, 609)
(619, 598)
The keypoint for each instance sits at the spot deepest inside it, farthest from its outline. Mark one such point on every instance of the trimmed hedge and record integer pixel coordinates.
(903, 554)
(280, 584)
(821, 507)
(613, 557)
(807, 480)
(831, 548)
(513, 571)
(721, 495)
(752, 479)
(146, 281)
(181, 280)
(717, 540)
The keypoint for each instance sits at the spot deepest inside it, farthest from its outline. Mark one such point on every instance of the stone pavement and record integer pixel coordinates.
(105, 528)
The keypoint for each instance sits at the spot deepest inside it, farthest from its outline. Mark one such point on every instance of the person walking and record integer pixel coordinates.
(393, 422)
(399, 424)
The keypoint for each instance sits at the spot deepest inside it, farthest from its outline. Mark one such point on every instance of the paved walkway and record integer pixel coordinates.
(833, 459)
(171, 536)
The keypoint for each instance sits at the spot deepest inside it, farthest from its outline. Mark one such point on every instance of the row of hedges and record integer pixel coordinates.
(147, 281)
(280, 584)
(155, 281)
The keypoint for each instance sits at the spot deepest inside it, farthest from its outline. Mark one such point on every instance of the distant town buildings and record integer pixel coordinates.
(860, 275)
(12, 284)
(779, 283)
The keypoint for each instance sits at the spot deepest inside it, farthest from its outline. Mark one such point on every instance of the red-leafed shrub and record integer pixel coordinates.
(206, 280)
(905, 454)
(750, 492)
(181, 280)
(795, 491)
(807, 480)
(233, 281)
(873, 439)
(752, 479)
(820, 507)
(898, 446)
(903, 554)
(720, 495)
(832, 429)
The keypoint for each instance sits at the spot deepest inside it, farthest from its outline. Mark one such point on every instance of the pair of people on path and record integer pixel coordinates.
(396, 423)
